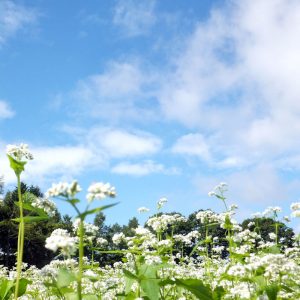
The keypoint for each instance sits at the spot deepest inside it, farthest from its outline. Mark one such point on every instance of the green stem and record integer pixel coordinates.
(81, 252)
(276, 232)
(20, 239)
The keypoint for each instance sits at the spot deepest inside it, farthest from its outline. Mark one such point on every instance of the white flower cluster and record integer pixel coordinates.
(101, 242)
(161, 202)
(162, 222)
(222, 187)
(100, 190)
(64, 189)
(118, 238)
(89, 229)
(295, 207)
(143, 209)
(207, 216)
(46, 204)
(61, 239)
(19, 152)
(271, 211)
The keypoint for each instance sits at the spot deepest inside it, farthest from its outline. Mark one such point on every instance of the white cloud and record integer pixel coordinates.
(53, 164)
(95, 149)
(134, 17)
(120, 92)
(13, 18)
(143, 168)
(5, 110)
(236, 79)
(118, 143)
(192, 144)
(138, 169)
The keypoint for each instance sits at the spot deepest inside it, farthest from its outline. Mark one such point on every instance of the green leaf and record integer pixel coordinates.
(196, 287)
(130, 275)
(29, 207)
(73, 201)
(151, 288)
(64, 278)
(5, 288)
(128, 284)
(272, 291)
(22, 286)
(95, 210)
(31, 219)
(17, 166)
(71, 296)
(218, 293)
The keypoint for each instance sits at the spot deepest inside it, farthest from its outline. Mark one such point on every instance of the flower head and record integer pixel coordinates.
(64, 189)
(143, 209)
(100, 190)
(161, 202)
(61, 239)
(45, 204)
(19, 153)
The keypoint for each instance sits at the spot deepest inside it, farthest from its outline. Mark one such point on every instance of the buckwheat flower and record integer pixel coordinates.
(64, 189)
(296, 214)
(161, 202)
(100, 190)
(211, 194)
(295, 206)
(61, 239)
(250, 224)
(118, 238)
(89, 229)
(19, 153)
(45, 204)
(143, 209)
(141, 231)
(152, 260)
(101, 242)
(272, 236)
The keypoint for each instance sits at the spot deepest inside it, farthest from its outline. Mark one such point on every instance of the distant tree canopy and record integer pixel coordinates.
(36, 233)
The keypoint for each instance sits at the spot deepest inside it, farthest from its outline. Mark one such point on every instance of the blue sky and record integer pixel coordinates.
(159, 98)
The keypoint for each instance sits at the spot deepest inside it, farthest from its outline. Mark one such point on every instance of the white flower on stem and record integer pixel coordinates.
(19, 152)
(295, 206)
(61, 239)
(118, 238)
(45, 204)
(101, 242)
(161, 202)
(89, 229)
(143, 209)
(63, 189)
(296, 214)
(100, 190)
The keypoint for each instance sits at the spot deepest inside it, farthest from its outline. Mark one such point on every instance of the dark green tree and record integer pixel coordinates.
(36, 233)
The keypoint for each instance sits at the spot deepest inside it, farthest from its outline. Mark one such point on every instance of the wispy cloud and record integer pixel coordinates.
(134, 17)
(143, 168)
(5, 111)
(121, 91)
(119, 143)
(13, 18)
(192, 144)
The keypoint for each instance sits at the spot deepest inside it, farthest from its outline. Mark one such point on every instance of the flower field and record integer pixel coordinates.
(156, 262)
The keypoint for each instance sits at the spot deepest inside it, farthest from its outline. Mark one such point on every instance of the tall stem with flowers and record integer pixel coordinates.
(18, 157)
(68, 193)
